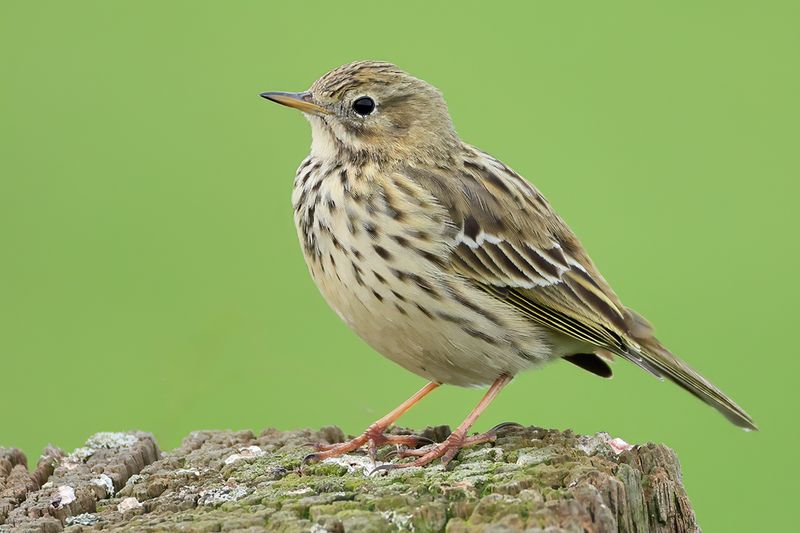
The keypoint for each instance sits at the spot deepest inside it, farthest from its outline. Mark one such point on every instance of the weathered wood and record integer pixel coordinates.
(529, 479)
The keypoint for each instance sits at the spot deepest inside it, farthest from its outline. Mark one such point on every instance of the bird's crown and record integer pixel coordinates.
(358, 74)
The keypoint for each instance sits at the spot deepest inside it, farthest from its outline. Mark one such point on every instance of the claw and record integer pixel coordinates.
(399, 451)
(505, 425)
(310, 458)
(390, 454)
(384, 468)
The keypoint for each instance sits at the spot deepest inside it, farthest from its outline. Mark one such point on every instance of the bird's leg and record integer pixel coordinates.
(458, 438)
(374, 436)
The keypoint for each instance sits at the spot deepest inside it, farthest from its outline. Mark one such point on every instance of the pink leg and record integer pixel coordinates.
(374, 435)
(458, 439)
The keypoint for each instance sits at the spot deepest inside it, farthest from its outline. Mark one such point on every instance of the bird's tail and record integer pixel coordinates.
(654, 357)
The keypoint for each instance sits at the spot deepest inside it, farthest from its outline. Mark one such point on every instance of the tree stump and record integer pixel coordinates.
(529, 479)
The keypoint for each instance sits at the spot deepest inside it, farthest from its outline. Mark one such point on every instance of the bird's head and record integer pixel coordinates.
(373, 110)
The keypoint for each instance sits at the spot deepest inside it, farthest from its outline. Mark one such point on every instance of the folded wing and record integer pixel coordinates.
(511, 244)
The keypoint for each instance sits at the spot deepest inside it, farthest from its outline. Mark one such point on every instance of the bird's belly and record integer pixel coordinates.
(424, 319)
(436, 337)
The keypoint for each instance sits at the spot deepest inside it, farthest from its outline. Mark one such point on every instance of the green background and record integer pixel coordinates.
(150, 275)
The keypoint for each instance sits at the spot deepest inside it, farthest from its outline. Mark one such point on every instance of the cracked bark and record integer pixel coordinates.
(529, 479)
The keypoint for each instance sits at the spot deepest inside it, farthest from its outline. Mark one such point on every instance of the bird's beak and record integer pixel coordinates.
(301, 101)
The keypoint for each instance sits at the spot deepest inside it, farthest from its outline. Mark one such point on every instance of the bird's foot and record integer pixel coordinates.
(445, 450)
(374, 437)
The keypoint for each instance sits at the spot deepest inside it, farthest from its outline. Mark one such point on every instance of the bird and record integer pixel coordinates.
(448, 262)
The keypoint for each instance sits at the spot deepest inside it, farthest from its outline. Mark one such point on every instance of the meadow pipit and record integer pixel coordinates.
(444, 259)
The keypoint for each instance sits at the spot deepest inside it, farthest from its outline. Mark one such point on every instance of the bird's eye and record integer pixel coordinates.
(364, 105)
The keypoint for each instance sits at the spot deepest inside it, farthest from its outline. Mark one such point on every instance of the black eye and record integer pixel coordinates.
(364, 105)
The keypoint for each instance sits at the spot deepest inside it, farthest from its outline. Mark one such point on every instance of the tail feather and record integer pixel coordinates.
(687, 378)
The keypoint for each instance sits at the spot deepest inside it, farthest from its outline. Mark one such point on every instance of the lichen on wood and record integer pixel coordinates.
(529, 479)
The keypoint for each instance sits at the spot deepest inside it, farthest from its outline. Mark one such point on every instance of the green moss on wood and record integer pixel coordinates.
(238, 481)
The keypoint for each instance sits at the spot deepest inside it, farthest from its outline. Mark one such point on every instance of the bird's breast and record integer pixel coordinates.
(368, 236)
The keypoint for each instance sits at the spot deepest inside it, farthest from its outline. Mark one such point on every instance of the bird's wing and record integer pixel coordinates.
(512, 244)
